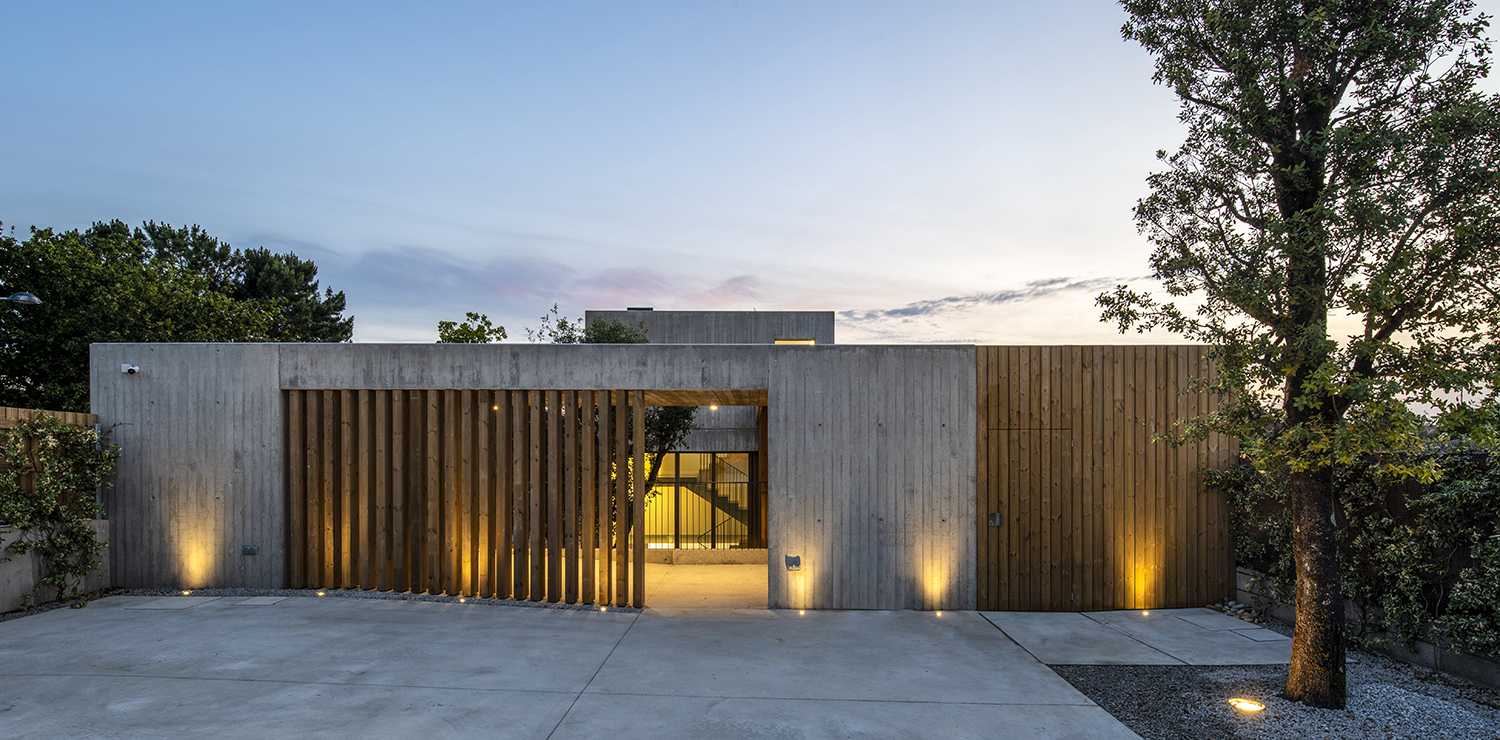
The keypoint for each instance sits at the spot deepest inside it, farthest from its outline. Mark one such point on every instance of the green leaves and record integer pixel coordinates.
(111, 283)
(50, 476)
(476, 328)
(1419, 540)
(1331, 220)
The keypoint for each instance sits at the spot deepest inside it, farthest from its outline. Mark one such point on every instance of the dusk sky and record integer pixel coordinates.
(936, 171)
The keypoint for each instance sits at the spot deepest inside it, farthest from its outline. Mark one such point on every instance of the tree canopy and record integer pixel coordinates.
(476, 328)
(667, 427)
(1340, 164)
(155, 283)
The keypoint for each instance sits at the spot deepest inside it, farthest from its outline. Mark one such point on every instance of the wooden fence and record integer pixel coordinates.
(516, 494)
(1078, 508)
(10, 417)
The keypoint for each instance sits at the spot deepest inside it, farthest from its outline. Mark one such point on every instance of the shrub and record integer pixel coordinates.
(1419, 560)
(50, 477)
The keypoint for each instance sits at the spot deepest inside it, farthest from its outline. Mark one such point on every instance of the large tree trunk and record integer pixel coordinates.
(1316, 675)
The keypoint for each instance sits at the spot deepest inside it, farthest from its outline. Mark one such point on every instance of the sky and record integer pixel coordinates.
(934, 171)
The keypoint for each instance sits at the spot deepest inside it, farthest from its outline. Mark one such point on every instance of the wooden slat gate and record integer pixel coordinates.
(519, 494)
(1078, 508)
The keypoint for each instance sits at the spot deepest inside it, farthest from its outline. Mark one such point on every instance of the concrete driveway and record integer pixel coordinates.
(136, 666)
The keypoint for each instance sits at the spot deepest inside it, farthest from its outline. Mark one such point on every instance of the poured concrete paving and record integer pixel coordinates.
(376, 668)
(1154, 637)
(707, 586)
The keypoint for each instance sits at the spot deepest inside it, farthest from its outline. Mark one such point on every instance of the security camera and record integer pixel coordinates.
(129, 369)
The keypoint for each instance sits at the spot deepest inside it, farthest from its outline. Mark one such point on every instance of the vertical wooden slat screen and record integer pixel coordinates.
(1094, 514)
(519, 494)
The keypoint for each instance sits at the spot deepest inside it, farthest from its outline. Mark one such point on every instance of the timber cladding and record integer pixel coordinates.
(11, 416)
(520, 494)
(1078, 508)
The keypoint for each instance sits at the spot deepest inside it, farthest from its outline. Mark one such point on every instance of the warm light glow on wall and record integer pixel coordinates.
(198, 558)
(1145, 572)
(935, 557)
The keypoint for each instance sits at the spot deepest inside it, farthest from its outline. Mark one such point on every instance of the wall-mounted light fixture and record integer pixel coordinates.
(794, 562)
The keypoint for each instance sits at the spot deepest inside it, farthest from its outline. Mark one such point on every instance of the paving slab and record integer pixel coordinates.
(339, 667)
(1070, 638)
(1192, 644)
(1210, 620)
(333, 640)
(144, 706)
(1261, 634)
(707, 586)
(613, 716)
(173, 602)
(848, 655)
(260, 601)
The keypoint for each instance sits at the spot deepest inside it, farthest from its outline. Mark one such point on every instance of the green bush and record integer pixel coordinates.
(1419, 560)
(50, 477)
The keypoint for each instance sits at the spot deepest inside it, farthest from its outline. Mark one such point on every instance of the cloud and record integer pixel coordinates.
(1034, 290)
(400, 293)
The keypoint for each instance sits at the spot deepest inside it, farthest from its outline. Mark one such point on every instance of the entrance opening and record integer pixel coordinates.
(706, 501)
(705, 514)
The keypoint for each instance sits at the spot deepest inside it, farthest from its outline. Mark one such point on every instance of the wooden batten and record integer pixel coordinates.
(1093, 513)
(495, 493)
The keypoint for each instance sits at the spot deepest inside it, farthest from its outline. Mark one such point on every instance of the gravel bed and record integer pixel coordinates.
(1387, 699)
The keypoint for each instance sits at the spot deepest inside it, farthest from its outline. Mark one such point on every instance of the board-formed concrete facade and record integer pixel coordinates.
(871, 458)
(728, 428)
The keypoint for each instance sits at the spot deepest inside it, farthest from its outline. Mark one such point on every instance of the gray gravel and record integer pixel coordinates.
(1386, 700)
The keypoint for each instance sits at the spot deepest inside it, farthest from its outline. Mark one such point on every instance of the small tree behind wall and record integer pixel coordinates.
(50, 476)
(1341, 167)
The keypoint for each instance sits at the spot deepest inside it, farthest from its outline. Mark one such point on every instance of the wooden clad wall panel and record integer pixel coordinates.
(505, 494)
(1092, 512)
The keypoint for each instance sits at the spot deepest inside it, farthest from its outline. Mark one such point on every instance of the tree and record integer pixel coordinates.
(476, 328)
(285, 284)
(1339, 161)
(111, 283)
(667, 427)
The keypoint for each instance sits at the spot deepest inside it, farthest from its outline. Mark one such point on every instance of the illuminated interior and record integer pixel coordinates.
(705, 500)
(808, 342)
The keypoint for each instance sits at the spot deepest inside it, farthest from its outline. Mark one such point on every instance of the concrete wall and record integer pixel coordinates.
(872, 478)
(730, 428)
(200, 478)
(724, 327)
(871, 466)
(20, 575)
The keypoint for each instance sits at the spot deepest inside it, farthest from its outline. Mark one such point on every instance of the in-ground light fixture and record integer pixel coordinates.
(1246, 705)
